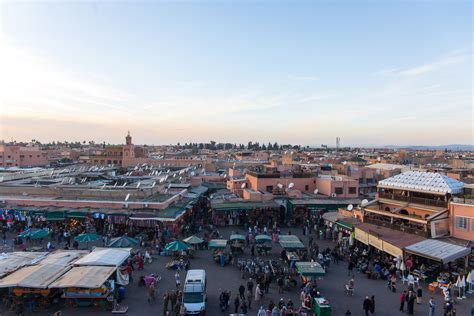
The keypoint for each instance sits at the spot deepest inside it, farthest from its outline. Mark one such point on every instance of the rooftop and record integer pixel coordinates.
(427, 182)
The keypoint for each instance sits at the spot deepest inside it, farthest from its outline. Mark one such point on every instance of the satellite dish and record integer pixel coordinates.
(291, 185)
(315, 191)
(344, 162)
(333, 195)
(115, 184)
(103, 187)
(169, 186)
(123, 186)
(153, 185)
(243, 185)
(138, 184)
(280, 186)
(364, 202)
(127, 197)
(350, 207)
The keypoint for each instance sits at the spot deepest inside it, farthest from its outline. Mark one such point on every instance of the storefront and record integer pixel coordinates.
(387, 240)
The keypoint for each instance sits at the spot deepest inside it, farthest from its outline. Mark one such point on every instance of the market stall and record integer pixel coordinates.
(237, 243)
(290, 242)
(87, 286)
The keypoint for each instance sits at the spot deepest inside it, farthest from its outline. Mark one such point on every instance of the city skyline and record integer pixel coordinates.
(374, 74)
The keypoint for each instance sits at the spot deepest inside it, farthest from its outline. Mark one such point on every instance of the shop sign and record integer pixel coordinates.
(392, 250)
(376, 242)
(361, 236)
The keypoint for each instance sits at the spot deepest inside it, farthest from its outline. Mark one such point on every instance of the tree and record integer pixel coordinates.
(249, 145)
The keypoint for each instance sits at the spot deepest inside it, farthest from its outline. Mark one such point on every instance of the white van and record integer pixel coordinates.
(194, 292)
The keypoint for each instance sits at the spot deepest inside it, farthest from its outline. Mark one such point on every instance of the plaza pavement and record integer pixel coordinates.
(228, 277)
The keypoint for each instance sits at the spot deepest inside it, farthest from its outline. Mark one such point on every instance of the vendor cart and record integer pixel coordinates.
(321, 307)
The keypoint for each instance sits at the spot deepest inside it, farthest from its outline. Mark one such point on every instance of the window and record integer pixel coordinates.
(461, 222)
(306, 187)
(352, 190)
(338, 190)
(31, 156)
(270, 188)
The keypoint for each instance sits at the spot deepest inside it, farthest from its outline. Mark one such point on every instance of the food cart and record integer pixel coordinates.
(87, 286)
(321, 307)
(309, 270)
(237, 243)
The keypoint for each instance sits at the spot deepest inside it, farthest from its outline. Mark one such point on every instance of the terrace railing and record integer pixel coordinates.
(412, 199)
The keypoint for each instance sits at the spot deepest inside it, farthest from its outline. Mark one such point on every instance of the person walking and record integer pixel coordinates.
(367, 305)
(236, 304)
(432, 304)
(350, 268)
(173, 299)
(261, 311)
(372, 307)
(177, 279)
(411, 302)
(258, 294)
(402, 301)
(419, 294)
(165, 302)
(242, 292)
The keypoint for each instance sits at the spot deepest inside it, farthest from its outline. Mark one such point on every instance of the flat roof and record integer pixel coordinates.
(394, 237)
(438, 250)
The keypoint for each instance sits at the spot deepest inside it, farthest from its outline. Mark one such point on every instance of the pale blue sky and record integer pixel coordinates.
(372, 73)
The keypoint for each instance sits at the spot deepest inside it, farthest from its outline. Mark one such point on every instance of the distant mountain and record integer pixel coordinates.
(453, 147)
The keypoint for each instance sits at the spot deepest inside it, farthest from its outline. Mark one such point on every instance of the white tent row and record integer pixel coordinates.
(105, 257)
(88, 277)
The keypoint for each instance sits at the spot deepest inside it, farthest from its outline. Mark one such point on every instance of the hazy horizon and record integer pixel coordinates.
(372, 73)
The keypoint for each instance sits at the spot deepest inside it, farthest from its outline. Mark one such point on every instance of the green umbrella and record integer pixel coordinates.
(123, 242)
(177, 246)
(262, 238)
(237, 237)
(87, 237)
(193, 240)
(34, 233)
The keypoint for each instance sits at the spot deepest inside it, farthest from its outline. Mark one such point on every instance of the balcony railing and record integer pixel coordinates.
(406, 229)
(412, 199)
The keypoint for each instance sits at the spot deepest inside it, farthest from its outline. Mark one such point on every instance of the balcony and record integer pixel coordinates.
(402, 227)
(412, 199)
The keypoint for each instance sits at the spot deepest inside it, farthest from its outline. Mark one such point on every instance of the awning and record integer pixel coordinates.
(310, 269)
(76, 215)
(55, 216)
(438, 250)
(105, 257)
(84, 277)
(218, 243)
(344, 225)
(290, 242)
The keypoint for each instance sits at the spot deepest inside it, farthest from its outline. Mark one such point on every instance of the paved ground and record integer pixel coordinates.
(229, 278)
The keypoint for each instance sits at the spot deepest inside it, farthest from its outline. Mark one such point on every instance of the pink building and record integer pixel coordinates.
(22, 156)
(338, 186)
(462, 220)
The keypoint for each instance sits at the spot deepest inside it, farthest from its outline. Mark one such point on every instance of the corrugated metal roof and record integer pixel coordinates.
(438, 250)
(84, 277)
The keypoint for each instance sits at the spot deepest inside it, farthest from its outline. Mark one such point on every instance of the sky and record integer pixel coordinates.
(373, 73)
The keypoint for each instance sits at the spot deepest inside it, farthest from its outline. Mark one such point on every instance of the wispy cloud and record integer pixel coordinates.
(302, 78)
(454, 58)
